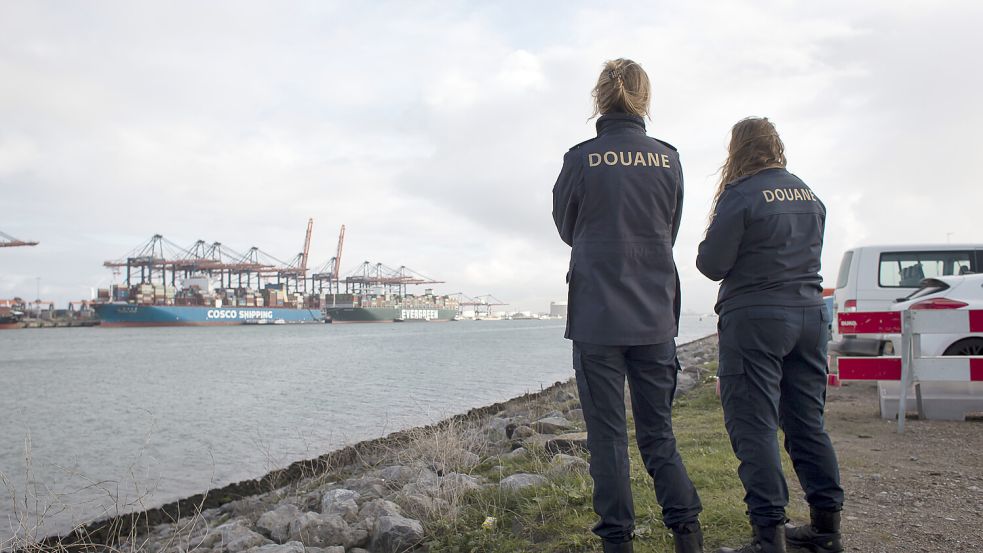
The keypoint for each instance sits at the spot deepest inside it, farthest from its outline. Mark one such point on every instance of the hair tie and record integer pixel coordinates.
(615, 73)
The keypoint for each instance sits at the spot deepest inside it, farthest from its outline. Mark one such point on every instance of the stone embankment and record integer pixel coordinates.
(381, 496)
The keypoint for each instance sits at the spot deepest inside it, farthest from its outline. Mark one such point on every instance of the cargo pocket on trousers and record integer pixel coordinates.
(733, 381)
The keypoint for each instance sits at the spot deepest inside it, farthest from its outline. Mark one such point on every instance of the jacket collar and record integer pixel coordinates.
(616, 121)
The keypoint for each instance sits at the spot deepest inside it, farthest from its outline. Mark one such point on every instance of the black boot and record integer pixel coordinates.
(821, 536)
(767, 539)
(623, 547)
(688, 538)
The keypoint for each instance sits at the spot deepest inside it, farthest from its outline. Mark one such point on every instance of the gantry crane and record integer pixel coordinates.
(330, 271)
(482, 304)
(8, 241)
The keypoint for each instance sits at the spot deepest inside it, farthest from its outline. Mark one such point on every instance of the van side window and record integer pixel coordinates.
(908, 269)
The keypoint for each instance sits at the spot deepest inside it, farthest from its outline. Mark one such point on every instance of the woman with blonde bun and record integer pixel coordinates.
(618, 202)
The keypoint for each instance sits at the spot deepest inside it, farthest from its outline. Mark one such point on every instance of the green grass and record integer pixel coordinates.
(557, 517)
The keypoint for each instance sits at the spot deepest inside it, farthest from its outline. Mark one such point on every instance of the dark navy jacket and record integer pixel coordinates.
(618, 201)
(765, 242)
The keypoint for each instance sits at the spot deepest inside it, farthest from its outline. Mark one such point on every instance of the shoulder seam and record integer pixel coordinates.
(577, 146)
(664, 143)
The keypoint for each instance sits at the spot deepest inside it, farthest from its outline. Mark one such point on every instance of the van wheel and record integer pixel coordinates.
(966, 346)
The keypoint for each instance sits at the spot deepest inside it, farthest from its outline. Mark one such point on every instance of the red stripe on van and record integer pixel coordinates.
(976, 369)
(869, 322)
(870, 368)
(976, 321)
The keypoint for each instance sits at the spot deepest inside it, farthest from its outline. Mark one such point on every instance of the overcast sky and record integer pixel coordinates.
(435, 130)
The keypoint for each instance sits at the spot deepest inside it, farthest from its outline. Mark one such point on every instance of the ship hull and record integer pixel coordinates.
(340, 315)
(129, 315)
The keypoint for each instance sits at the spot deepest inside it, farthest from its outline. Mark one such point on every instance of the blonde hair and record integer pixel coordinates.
(623, 86)
(754, 147)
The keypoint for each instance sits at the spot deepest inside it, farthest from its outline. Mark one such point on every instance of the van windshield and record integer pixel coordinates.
(908, 269)
(844, 276)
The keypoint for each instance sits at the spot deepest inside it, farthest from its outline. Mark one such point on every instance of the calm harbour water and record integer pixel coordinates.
(95, 418)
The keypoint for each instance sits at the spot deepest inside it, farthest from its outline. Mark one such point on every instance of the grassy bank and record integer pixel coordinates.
(557, 517)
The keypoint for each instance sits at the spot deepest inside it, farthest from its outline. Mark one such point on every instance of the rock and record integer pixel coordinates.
(319, 530)
(210, 515)
(456, 484)
(522, 480)
(396, 534)
(358, 550)
(454, 460)
(567, 443)
(552, 425)
(289, 547)
(276, 523)
(341, 502)
(564, 464)
(247, 507)
(469, 460)
(401, 474)
(576, 414)
(332, 549)
(310, 501)
(424, 505)
(684, 383)
(414, 488)
(496, 429)
(236, 536)
(518, 453)
(367, 486)
(523, 432)
(378, 508)
(564, 395)
(358, 533)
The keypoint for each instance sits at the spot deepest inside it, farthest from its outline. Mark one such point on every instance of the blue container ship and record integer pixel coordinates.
(132, 315)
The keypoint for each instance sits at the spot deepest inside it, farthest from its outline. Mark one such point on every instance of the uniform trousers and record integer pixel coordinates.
(773, 375)
(651, 373)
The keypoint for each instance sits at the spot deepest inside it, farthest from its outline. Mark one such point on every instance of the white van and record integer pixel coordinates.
(873, 278)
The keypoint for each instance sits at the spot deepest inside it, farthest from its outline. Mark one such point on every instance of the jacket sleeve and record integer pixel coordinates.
(718, 251)
(677, 216)
(567, 195)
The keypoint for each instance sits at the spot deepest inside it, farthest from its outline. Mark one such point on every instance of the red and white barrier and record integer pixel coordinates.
(911, 366)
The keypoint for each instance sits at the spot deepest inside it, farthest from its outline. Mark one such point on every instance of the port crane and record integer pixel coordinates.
(296, 270)
(371, 278)
(481, 304)
(153, 258)
(160, 260)
(8, 241)
(330, 271)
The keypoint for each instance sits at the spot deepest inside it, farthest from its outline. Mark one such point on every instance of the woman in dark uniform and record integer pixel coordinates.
(618, 202)
(764, 243)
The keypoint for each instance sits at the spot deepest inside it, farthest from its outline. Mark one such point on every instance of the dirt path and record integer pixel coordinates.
(919, 491)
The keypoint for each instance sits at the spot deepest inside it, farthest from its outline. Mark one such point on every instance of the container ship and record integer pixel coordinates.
(387, 308)
(197, 305)
(210, 284)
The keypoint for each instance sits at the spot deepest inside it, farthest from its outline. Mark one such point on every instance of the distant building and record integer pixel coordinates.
(558, 309)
